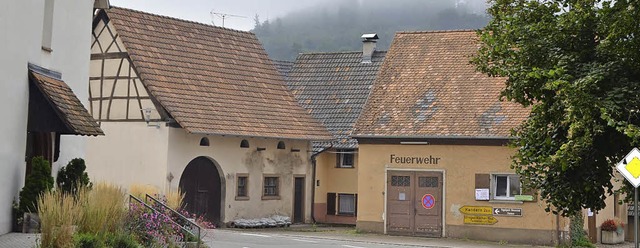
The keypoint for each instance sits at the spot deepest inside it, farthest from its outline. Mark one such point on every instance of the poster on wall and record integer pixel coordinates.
(482, 194)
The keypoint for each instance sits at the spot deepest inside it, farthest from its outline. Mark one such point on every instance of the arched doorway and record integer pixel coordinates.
(203, 186)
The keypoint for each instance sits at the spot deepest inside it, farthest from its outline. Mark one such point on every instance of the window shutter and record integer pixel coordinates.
(338, 159)
(331, 203)
(483, 181)
(355, 198)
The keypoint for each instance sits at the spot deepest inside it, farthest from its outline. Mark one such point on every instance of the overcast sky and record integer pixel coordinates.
(199, 10)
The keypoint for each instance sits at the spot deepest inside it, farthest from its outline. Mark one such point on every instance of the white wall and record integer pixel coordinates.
(71, 46)
(129, 153)
(21, 37)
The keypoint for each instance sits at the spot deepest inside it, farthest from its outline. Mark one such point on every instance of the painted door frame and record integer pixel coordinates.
(444, 191)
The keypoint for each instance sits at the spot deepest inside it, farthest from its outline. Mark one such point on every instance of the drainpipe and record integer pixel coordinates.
(313, 176)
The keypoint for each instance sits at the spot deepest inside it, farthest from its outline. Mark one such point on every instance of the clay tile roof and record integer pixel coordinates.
(334, 87)
(284, 67)
(428, 88)
(66, 105)
(212, 80)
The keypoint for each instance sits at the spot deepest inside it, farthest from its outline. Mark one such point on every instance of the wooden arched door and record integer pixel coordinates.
(202, 187)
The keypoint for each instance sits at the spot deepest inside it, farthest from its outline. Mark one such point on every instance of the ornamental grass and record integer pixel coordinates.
(174, 199)
(58, 212)
(140, 190)
(103, 209)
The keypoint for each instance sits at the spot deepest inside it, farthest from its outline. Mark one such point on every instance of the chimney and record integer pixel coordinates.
(368, 46)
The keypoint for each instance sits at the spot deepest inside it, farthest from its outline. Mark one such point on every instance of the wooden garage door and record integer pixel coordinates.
(414, 203)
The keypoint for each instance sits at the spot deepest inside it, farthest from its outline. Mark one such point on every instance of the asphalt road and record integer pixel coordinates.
(237, 239)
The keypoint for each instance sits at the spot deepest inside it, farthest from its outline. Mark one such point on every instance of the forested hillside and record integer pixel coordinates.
(336, 25)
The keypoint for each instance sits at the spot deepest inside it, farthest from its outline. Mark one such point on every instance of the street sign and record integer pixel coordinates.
(524, 198)
(476, 210)
(480, 220)
(629, 167)
(428, 201)
(517, 212)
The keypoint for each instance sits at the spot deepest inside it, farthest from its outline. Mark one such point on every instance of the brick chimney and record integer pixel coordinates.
(368, 46)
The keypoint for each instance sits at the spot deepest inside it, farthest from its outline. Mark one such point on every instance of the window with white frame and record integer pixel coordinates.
(344, 158)
(505, 186)
(347, 204)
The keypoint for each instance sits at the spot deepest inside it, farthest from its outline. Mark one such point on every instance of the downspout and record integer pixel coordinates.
(313, 177)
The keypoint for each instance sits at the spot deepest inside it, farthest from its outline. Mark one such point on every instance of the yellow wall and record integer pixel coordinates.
(460, 164)
(332, 179)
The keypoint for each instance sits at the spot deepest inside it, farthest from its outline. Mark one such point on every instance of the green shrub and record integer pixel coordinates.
(39, 181)
(122, 240)
(73, 176)
(86, 240)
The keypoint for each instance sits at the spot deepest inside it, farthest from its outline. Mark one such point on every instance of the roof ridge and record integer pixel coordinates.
(178, 19)
(438, 31)
(344, 52)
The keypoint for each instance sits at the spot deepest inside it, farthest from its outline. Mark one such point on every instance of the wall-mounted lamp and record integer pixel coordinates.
(147, 117)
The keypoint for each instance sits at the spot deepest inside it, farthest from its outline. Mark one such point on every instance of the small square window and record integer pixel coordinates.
(505, 187)
(344, 158)
(346, 204)
(271, 187)
(242, 186)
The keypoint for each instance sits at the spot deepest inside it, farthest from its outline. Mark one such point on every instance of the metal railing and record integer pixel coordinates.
(187, 226)
(185, 222)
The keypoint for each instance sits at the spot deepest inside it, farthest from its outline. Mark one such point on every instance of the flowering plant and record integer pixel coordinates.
(613, 225)
(153, 228)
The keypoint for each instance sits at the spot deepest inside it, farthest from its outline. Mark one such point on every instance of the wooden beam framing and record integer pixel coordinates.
(103, 56)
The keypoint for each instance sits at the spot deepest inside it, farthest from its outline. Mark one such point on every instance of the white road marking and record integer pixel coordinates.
(257, 235)
(304, 240)
(351, 246)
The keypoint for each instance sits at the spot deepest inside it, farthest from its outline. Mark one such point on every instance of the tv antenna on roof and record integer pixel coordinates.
(223, 16)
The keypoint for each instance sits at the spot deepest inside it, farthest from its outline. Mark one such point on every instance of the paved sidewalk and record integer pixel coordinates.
(18, 240)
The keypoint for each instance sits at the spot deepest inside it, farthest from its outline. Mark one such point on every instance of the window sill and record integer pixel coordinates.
(346, 215)
(344, 167)
(46, 49)
(277, 197)
(505, 201)
(242, 198)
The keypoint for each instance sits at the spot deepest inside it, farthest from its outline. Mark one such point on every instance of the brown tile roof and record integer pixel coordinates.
(334, 87)
(427, 88)
(212, 80)
(66, 105)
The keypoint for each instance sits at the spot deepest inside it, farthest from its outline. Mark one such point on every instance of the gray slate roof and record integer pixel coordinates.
(334, 88)
(284, 67)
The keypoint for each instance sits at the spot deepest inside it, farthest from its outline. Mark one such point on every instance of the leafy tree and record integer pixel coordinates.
(73, 176)
(39, 181)
(576, 66)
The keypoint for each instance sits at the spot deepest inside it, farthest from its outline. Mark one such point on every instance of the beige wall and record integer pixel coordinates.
(129, 153)
(233, 159)
(332, 179)
(459, 164)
